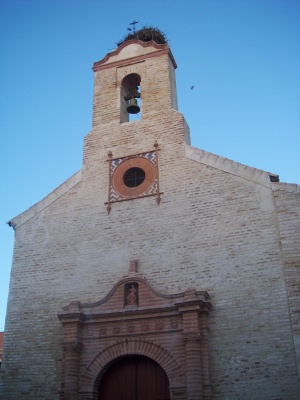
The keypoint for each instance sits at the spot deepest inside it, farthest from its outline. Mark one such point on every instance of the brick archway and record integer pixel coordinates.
(95, 370)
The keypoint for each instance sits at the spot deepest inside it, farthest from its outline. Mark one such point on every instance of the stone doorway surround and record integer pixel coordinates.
(135, 319)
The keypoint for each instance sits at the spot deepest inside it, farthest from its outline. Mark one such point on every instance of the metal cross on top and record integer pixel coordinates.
(133, 23)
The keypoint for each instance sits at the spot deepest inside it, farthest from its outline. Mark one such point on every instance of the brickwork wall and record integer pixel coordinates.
(213, 231)
(287, 199)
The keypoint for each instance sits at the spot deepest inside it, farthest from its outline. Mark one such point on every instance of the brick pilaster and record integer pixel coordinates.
(72, 353)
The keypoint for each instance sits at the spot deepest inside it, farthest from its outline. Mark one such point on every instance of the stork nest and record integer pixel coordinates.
(146, 34)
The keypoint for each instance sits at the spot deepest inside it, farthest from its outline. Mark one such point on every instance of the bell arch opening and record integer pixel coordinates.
(130, 98)
(133, 377)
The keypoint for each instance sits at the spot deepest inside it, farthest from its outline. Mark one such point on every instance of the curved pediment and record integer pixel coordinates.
(133, 50)
(134, 293)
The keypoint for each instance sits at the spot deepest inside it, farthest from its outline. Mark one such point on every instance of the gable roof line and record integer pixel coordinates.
(20, 219)
(232, 167)
(286, 187)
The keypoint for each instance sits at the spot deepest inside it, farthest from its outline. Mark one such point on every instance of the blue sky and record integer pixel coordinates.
(242, 57)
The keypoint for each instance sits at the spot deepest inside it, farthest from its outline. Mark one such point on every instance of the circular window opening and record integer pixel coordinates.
(133, 177)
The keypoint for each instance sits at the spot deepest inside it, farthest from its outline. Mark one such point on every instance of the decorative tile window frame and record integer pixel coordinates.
(148, 162)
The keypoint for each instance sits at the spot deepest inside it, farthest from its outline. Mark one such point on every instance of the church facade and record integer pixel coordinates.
(159, 270)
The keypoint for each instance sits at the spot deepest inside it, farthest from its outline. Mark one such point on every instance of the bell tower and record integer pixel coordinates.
(122, 154)
(135, 70)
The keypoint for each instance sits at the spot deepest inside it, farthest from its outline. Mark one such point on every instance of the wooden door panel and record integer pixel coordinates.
(134, 378)
(146, 383)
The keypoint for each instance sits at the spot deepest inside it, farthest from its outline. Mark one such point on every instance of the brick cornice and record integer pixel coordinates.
(286, 187)
(160, 50)
(196, 305)
(70, 317)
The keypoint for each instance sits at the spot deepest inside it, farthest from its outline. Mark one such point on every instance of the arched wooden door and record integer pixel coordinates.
(134, 378)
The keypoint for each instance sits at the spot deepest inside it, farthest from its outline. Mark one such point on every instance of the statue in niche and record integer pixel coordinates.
(131, 294)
